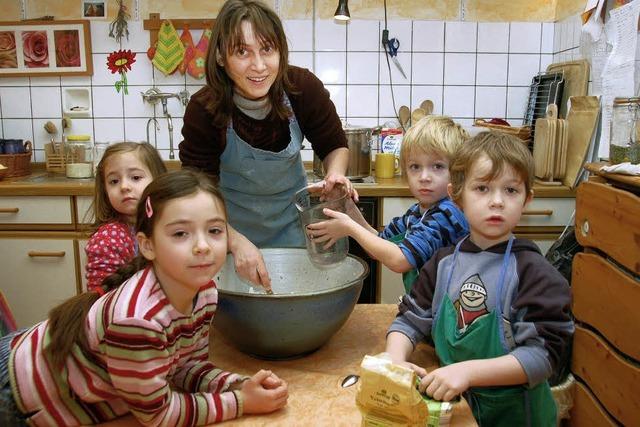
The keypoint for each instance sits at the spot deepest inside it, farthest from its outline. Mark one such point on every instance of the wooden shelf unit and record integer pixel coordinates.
(153, 25)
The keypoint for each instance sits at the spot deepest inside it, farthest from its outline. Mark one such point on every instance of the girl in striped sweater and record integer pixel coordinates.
(142, 348)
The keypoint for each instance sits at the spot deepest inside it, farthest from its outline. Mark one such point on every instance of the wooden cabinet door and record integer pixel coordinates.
(609, 219)
(37, 274)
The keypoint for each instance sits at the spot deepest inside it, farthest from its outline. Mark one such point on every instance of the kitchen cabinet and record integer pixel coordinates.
(370, 290)
(38, 273)
(606, 292)
(543, 221)
(38, 254)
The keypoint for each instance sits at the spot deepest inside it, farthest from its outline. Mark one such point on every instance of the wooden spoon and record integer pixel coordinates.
(417, 114)
(404, 114)
(427, 106)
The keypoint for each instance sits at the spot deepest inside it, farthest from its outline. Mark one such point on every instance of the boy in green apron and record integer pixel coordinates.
(433, 222)
(496, 310)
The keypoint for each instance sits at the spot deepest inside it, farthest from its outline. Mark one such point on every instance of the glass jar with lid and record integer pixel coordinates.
(98, 151)
(624, 142)
(78, 156)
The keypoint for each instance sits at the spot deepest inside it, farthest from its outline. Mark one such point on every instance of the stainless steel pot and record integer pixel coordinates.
(359, 139)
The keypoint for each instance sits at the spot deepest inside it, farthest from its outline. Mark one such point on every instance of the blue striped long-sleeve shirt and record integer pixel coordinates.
(426, 232)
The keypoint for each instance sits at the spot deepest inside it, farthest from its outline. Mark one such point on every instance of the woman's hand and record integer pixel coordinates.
(248, 260)
(335, 165)
(263, 393)
(445, 383)
(333, 179)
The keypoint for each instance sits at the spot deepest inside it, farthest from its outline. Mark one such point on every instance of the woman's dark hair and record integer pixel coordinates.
(226, 36)
(67, 321)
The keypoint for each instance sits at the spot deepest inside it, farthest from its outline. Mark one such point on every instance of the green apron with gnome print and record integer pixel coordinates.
(484, 339)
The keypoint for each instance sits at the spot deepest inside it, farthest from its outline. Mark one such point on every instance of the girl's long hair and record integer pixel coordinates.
(146, 153)
(226, 36)
(67, 321)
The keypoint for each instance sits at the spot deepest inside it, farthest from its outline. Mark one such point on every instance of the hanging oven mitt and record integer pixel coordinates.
(169, 49)
(189, 49)
(197, 64)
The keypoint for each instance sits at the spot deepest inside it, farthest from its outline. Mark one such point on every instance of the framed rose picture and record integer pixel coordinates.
(45, 48)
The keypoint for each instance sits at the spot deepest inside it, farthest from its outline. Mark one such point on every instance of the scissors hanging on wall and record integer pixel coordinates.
(392, 46)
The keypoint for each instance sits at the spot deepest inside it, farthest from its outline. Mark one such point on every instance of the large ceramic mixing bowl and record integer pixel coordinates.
(308, 306)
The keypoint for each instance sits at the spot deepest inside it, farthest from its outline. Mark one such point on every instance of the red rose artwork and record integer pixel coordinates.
(8, 56)
(67, 45)
(35, 48)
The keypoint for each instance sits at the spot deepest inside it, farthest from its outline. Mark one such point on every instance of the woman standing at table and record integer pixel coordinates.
(246, 127)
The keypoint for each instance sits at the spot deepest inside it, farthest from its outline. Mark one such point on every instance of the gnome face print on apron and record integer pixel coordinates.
(259, 185)
(466, 329)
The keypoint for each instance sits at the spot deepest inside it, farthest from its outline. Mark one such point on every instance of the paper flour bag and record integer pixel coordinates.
(387, 395)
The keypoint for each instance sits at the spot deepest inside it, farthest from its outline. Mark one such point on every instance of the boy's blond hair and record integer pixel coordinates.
(432, 135)
(502, 149)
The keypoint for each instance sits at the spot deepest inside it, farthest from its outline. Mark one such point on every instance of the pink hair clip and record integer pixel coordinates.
(148, 207)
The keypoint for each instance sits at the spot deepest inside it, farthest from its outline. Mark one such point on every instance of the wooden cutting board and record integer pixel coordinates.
(544, 144)
(576, 81)
(582, 119)
(561, 153)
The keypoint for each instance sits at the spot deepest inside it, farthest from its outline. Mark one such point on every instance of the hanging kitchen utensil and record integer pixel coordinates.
(392, 50)
(416, 115)
(427, 106)
(404, 115)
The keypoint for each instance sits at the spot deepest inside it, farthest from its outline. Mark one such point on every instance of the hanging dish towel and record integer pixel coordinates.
(197, 64)
(169, 49)
(187, 42)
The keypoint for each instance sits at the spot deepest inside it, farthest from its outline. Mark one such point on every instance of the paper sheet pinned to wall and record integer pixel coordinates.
(612, 50)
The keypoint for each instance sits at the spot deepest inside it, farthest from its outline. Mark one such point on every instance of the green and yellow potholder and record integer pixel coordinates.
(169, 49)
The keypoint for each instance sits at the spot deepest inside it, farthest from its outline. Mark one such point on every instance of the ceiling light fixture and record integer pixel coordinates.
(342, 12)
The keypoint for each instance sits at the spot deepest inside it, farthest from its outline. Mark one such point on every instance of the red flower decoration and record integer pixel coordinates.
(120, 61)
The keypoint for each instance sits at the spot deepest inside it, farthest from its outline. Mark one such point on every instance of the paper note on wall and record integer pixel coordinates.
(618, 74)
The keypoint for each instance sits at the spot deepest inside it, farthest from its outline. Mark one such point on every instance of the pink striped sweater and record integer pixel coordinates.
(146, 358)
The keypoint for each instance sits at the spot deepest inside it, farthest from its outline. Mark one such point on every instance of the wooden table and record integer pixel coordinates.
(315, 395)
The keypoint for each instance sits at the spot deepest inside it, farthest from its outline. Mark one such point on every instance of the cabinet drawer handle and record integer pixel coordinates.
(543, 212)
(9, 210)
(36, 254)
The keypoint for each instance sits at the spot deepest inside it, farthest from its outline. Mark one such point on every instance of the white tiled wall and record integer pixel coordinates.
(468, 69)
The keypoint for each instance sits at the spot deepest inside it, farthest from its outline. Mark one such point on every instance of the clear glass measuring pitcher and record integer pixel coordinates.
(310, 206)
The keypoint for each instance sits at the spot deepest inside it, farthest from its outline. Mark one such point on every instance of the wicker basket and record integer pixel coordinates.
(54, 157)
(18, 164)
(524, 132)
